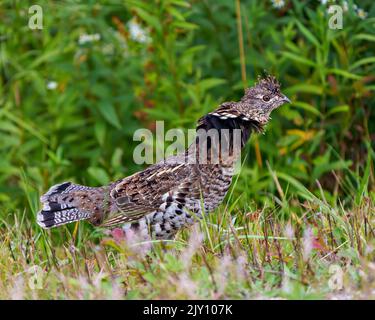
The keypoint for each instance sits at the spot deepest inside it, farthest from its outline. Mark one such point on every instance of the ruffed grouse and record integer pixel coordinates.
(173, 193)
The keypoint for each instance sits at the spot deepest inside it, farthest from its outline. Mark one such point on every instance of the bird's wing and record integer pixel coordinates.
(145, 191)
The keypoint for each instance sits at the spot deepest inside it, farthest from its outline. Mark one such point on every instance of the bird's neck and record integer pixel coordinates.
(221, 140)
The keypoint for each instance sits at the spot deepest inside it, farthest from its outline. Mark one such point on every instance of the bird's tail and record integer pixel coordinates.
(63, 203)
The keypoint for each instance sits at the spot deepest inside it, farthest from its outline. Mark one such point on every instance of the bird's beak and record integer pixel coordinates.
(286, 99)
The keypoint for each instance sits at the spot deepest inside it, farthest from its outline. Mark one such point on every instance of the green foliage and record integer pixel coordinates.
(73, 93)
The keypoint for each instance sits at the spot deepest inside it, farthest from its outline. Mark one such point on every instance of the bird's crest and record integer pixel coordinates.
(269, 82)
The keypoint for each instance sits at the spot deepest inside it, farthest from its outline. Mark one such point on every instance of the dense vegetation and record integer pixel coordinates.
(299, 220)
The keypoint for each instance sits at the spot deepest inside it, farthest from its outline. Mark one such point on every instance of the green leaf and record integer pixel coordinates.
(362, 62)
(362, 191)
(302, 190)
(26, 125)
(207, 84)
(100, 131)
(44, 58)
(343, 108)
(345, 74)
(176, 13)
(148, 18)
(298, 58)
(305, 88)
(329, 166)
(116, 158)
(307, 33)
(306, 106)
(150, 277)
(185, 25)
(99, 174)
(109, 113)
(181, 3)
(363, 36)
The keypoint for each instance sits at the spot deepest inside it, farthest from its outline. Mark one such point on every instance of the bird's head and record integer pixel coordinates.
(259, 100)
(254, 107)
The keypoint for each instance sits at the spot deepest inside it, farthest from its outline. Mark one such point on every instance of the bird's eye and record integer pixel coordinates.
(266, 98)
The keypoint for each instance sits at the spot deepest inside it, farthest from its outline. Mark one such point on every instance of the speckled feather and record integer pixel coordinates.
(168, 196)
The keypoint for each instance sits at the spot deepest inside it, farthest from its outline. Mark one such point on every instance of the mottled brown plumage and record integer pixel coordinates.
(168, 196)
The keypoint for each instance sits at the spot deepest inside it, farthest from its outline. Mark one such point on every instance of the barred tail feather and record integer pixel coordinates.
(60, 206)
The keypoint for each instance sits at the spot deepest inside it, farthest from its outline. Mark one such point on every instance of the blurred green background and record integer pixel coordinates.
(73, 93)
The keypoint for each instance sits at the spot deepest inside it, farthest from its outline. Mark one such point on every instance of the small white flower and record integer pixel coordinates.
(345, 6)
(369, 249)
(289, 231)
(136, 32)
(362, 13)
(307, 243)
(51, 85)
(84, 38)
(278, 3)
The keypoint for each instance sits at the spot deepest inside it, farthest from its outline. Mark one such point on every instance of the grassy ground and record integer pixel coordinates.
(295, 250)
(299, 220)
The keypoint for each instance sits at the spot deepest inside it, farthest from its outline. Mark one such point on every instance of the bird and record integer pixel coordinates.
(176, 192)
